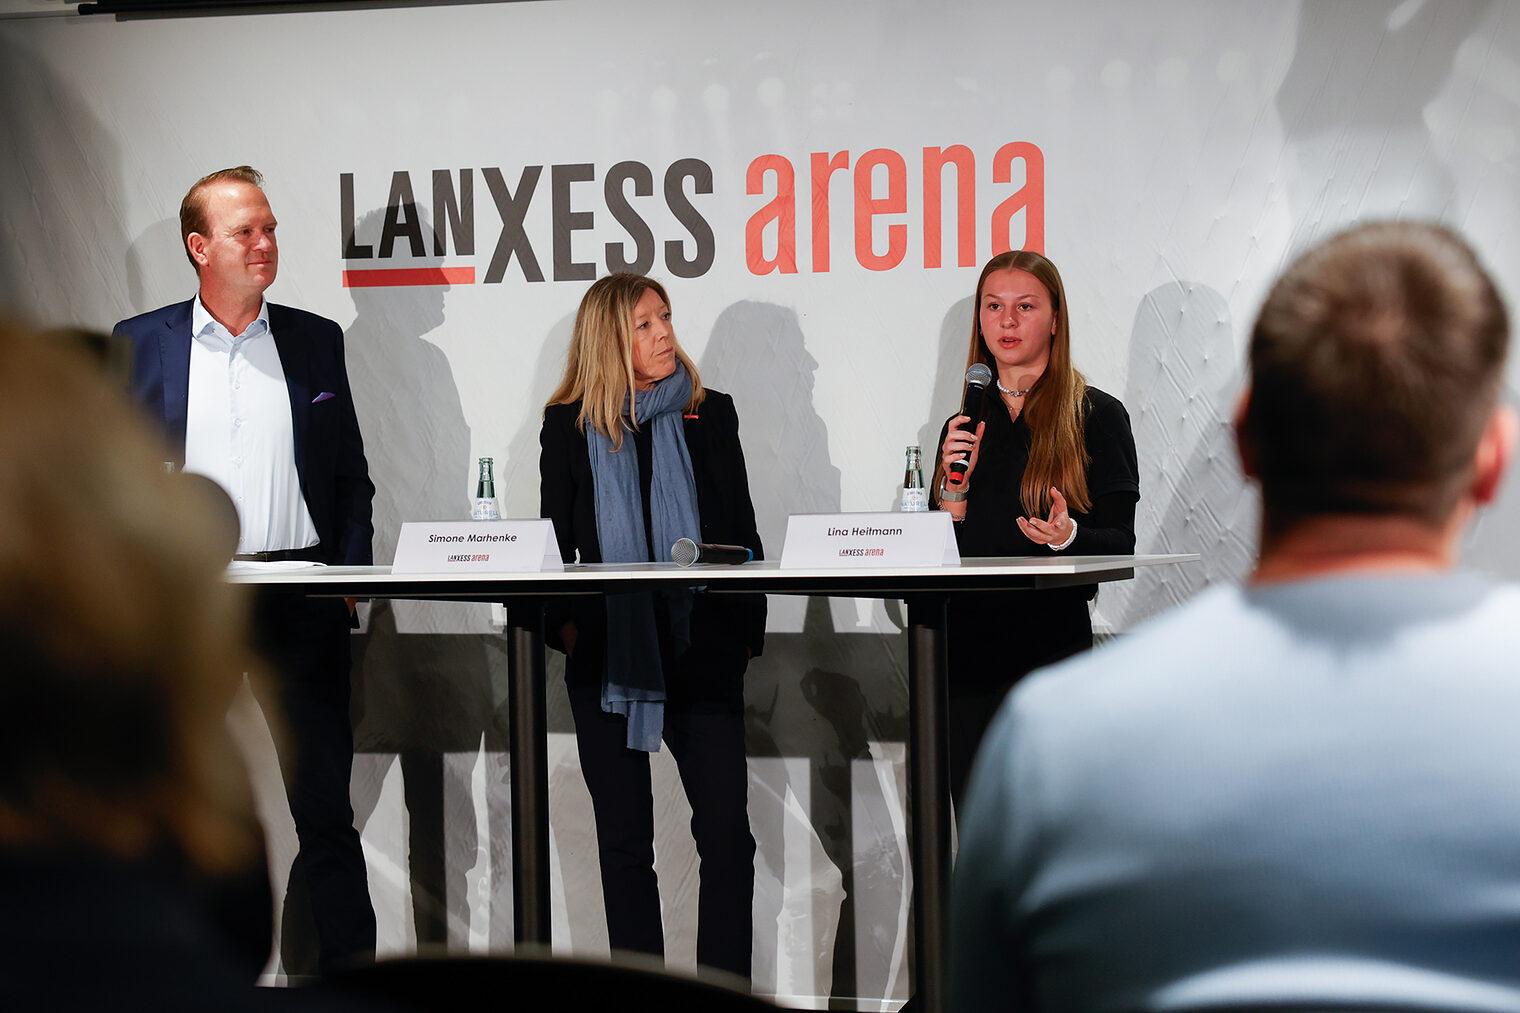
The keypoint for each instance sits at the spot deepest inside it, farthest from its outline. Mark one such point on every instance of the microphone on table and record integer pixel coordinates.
(977, 379)
(685, 552)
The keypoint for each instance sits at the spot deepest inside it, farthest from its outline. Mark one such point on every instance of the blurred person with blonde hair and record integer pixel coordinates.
(122, 796)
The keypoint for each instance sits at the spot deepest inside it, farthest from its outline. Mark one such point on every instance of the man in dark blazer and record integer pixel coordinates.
(256, 396)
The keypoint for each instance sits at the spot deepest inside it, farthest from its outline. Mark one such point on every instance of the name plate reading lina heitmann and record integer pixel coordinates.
(869, 540)
(515, 546)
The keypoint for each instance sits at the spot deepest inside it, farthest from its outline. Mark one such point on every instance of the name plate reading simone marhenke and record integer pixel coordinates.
(517, 546)
(869, 540)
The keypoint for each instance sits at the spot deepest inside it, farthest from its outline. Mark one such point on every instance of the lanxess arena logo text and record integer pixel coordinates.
(869, 195)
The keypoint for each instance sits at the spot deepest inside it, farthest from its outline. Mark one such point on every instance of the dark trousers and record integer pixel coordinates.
(971, 709)
(306, 642)
(1047, 627)
(707, 741)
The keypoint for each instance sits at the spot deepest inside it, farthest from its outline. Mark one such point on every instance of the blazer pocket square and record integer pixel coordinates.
(326, 395)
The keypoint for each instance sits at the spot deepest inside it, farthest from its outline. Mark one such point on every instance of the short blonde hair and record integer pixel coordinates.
(599, 368)
(123, 645)
(192, 210)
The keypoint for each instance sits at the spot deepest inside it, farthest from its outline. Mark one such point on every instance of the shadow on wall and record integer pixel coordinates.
(758, 353)
(949, 380)
(814, 694)
(519, 471)
(518, 478)
(569, 801)
(414, 428)
(158, 272)
(425, 674)
(1352, 107)
(1183, 380)
(64, 240)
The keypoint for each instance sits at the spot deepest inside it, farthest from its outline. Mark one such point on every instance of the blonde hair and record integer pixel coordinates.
(599, 367)
(1053, 408)
(123, 644)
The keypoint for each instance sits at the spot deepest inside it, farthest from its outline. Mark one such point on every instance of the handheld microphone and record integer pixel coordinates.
(685, 552)
(977, 379)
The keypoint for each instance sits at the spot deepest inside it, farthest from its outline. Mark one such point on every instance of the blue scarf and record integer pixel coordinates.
(633, 683)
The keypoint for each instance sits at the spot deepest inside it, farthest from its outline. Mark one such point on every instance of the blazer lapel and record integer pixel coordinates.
(296, 363)
(174, 362)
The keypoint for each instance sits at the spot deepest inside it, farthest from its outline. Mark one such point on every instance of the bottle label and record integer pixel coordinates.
(485, 509)
(915, 500)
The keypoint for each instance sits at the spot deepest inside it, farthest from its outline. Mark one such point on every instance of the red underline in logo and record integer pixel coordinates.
(409, 276)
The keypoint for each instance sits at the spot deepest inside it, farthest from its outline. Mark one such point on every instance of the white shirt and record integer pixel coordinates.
(238, 431)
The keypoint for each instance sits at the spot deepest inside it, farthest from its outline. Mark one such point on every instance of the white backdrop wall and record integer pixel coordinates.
(1169, 156)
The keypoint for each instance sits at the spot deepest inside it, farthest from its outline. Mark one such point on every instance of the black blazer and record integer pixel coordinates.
(725, 629)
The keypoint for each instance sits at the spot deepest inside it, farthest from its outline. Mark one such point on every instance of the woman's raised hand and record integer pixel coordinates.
(1053, 531)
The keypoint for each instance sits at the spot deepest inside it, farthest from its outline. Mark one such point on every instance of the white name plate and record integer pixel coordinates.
(517, 546)
(867, 540)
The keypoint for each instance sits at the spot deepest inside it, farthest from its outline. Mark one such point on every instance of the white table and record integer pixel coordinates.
(925, 590)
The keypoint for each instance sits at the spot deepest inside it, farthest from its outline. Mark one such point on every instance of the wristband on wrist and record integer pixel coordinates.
(1069, 539)
(947, 496)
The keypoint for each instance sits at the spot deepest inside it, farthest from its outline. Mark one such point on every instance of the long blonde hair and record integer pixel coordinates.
(1053, 408)
(599, 367)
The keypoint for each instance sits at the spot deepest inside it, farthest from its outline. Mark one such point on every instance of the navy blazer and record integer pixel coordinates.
(328, 448)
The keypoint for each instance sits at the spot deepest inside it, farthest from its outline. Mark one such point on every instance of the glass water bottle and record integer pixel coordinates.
(485, 507)
(915, 496)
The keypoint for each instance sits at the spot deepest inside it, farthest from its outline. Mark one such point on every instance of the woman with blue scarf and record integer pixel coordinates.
(636, 455)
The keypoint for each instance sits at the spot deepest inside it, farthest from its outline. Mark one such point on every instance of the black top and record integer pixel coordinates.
(998, 637)
(84, 931)
(995, 500)
(725, 629)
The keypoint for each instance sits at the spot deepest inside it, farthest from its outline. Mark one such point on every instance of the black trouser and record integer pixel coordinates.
(707, 741)
(306, 642)
(993, 641)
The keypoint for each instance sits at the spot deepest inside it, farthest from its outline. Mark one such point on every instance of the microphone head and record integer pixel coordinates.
(977, 378)
(684, 552)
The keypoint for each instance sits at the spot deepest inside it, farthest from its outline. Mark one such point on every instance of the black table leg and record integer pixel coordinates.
(928, 799)
(528, 754)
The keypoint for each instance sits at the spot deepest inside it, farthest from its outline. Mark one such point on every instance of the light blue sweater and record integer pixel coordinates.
(1306, 792)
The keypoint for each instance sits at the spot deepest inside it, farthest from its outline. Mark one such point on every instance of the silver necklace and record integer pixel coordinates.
(1013, 393)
